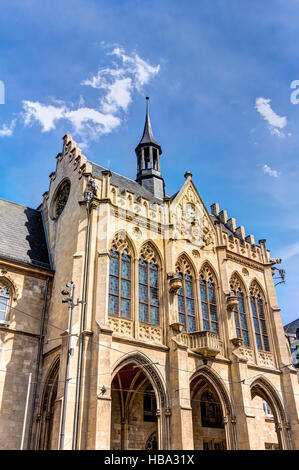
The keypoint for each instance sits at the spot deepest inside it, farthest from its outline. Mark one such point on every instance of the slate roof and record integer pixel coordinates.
(148, 136)
(22, 236)
(291, 328)
(125, 183)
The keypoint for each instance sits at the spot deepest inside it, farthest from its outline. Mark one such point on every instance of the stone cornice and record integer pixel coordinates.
(7, 329)
(246, 262)
(118, 338)
(23, 266)
(269, 370)
(138, 219)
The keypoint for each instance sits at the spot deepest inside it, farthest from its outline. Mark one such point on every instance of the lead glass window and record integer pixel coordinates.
(240, 312)
(186, 308)
(120, 283)
(5, 298)
(148, 292)
(208, 301)
(259, 320)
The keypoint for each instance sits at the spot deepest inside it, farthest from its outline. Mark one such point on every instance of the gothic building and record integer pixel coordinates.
(167, 334)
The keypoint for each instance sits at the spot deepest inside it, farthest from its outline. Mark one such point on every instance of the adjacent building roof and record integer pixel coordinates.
(22, 236)
(291, 328)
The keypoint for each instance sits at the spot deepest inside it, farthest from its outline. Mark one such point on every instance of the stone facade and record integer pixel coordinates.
(148, 381)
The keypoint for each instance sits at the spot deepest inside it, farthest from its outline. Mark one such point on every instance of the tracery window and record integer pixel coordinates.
(120, 279)
(186, 307)
(208, 300)
(61, 198)
(5, 300)
(148, 286)
(258, 314)
(240, 311)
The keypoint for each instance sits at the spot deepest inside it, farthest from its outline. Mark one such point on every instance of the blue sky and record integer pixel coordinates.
(218, 74)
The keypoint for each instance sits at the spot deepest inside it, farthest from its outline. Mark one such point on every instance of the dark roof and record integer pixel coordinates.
(125, 183)
(148, 136)
(291, 328)
(22, 236)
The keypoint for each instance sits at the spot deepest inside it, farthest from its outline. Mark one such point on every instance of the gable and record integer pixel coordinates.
(189, 217)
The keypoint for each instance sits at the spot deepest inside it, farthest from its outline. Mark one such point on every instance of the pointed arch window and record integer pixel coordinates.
(240, 314)
(5, 301)
(211, 413)
(186, 307)
(120, 280)
(259, 321)
(208, 300)
(148, 287)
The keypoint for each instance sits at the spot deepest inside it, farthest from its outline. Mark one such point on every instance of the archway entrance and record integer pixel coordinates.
(207, 416)
(134, 413)
(49, 415)
(264, 427)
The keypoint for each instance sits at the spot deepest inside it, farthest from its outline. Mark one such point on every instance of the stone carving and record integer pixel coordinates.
(265, 359)
(148, 253)
(121, 325)
(245, 353)
(150, 333)
(120, 243)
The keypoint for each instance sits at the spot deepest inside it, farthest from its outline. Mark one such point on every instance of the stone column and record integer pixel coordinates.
(100, 392)
(181, 420)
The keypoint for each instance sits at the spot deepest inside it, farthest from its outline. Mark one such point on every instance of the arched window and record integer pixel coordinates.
(258, 314)
(211, 413)
(186, 296)
(61, 198)
(149, 405)
(208, 300)
(240, 311)
(5, 300)
(120, 279)
(148, 286)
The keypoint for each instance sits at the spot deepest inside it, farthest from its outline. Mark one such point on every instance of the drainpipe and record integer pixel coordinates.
(88, 194)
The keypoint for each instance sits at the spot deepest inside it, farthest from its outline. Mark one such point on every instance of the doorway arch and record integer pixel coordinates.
(212, 414)
(48, 410)
(263, 390)
(139, 409)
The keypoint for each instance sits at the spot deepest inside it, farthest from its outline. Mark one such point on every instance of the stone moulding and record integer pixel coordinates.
(254, 265)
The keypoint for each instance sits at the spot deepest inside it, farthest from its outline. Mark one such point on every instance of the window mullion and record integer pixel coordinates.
(148, 293)
(208, 305)
(259, 323)
(119, 282)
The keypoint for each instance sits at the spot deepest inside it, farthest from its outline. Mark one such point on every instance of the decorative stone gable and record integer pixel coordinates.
(189, 218)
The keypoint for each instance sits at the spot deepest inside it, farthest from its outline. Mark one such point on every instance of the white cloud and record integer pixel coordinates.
(275, 122)
(90, 119)
(121, 80)
(7, 131)
(267, 170)
(139, 68)
(117, 83)
(46, 115)
(119, 96)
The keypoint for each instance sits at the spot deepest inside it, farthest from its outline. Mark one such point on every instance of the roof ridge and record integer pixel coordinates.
(19, 205)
